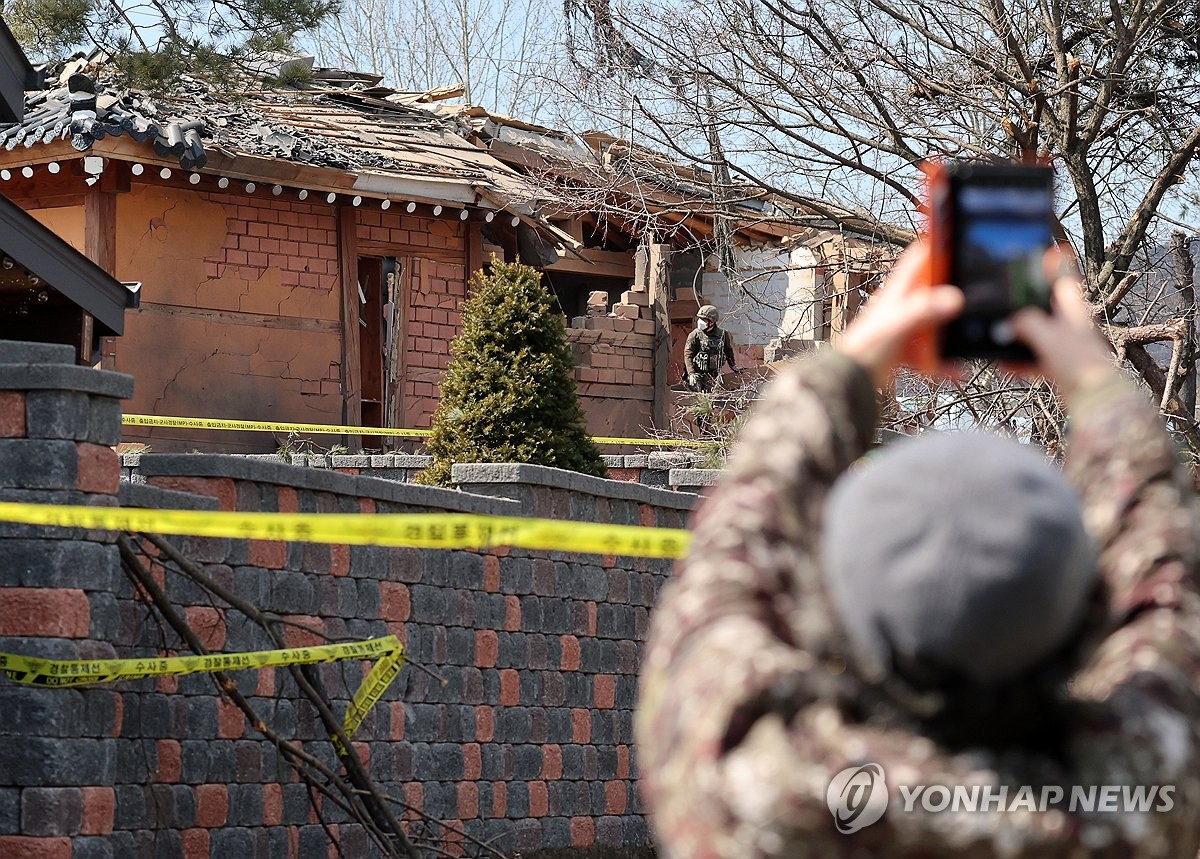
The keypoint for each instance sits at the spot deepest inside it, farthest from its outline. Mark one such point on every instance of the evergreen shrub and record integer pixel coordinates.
(509, 391)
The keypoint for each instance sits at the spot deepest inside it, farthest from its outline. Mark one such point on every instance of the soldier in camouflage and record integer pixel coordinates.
(752, 699)
(708, 347)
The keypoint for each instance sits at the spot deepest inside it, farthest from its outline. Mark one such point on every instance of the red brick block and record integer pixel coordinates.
(552, 762)
(12, 414)
(616, 797)
(208, 624)
(605, 687)
(170, 762)
(48, 612)
(485, 724)
(272, 804)
(212, 805)
(27, 847)
(487, 647)
(99, 803)
(472, 761)
(510, 687)
(220, 488)
(468, 800)
(339, 560)
(231, 722)
(294, 636)
(269, 554)
(395, 602)
(289, 501)
(539, 799)
(583, 832)
(622, 761)
(365, 505)
(608, 561)
(99, 468)
(631, 475)
(195, 843)
(414, 795)
(512, 613)
(119, 716)
(491, 574)
(581, 725)
(647, 515)
(499, 799)
(570, 653)
(266, 683)
(397, 708)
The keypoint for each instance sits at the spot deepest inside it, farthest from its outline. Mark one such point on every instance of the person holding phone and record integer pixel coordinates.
(954, 613)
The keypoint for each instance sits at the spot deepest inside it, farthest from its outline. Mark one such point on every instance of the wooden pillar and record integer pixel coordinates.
(100, 246)
(658, 271)
(347, 231)
(475, 260)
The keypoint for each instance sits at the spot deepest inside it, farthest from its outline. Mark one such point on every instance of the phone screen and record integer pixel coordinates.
(1002, 226)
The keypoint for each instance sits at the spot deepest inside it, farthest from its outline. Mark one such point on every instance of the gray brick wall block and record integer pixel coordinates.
(38, 464)
(57, 414)
(51, 811)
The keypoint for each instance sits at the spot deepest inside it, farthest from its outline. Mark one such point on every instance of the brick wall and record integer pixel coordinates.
(528, 742)
(614, 374)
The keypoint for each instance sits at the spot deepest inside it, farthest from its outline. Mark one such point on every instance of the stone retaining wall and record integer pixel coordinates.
(527, 742)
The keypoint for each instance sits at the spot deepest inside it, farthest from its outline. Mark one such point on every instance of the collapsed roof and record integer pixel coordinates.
(384, 142)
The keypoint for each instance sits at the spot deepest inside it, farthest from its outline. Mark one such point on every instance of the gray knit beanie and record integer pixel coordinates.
(956, 555)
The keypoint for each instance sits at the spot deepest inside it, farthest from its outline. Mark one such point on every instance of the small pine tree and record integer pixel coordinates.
(509, 392)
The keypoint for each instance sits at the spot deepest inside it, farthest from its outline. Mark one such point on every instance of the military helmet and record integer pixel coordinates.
(708, 312)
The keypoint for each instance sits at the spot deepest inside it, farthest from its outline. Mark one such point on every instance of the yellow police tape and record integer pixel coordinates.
(35, 671)
(338, 429)
(415, 530)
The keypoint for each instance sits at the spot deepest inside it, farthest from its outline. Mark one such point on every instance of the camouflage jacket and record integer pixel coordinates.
(705, 351)
(737, 744)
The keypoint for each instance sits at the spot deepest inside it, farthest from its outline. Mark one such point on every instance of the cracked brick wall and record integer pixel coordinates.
(240, 312)
(528, 742)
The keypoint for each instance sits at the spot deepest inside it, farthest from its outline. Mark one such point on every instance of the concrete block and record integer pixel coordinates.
(21, 352)
(643, 326)
(38, 464)
(598, 298)
(600, 323)
(57, 414)
(49, 811)
(578, 322)
(43, 377)
(639, 297)
(622, 326)
(626, 311)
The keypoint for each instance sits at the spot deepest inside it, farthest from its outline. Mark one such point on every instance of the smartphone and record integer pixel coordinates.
(990, 227)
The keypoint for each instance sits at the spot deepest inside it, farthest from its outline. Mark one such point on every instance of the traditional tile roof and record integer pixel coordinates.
(340, 120)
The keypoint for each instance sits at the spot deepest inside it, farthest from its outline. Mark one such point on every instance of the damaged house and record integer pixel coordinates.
(304, 250)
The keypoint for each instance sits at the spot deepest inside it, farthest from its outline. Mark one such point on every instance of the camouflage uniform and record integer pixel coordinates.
(738, 736)
(704, 353)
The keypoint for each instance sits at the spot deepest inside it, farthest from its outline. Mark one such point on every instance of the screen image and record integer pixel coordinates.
(1002, 235)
